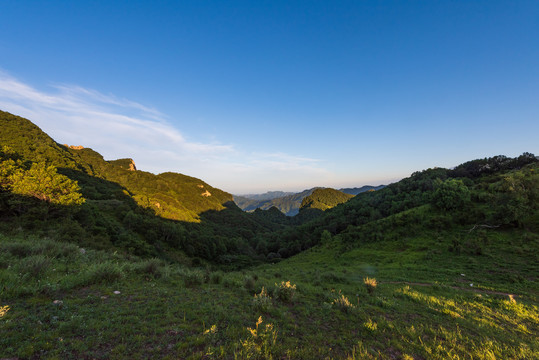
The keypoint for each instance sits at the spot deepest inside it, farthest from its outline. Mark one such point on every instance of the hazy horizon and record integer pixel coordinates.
(278, 96)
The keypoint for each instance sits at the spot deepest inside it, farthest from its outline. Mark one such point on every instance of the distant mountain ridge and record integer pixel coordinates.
(291, 203)
(270, 195)
(359, 190)
(288, 205)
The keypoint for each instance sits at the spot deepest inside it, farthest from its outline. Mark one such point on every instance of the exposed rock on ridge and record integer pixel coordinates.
(74, 147)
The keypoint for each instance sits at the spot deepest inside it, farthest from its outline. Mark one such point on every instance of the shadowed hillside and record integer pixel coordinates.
(442, 264)
(73, 193)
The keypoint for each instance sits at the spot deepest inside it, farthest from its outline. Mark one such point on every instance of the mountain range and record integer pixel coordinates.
(111, 204)
(99, 259)
(270, 195)
(288, 203)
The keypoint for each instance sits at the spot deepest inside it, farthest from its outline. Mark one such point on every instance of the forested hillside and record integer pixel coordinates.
(499, 191)
(359, 190)
(101, 260)
(288, 205)
(324, 199)
(73, 193)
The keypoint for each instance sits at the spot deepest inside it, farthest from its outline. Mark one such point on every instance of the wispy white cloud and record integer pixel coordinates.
(91, 117)
(118, 128)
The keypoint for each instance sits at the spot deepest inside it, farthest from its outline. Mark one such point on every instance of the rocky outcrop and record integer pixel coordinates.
(206, 193)
(74, 147)
(127, 164)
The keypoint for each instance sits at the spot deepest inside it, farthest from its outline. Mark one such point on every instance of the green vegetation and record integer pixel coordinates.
(324, 199)
(266, 196)
(422, 307)
(441, 265)
(288, 204)
(355, 191)
(73, 194)
(370, 284)
(36, 180)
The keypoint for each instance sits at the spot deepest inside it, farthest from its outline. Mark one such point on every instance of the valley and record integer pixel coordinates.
(99, 259)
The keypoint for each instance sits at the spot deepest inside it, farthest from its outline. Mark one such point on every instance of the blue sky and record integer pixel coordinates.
(277, 95)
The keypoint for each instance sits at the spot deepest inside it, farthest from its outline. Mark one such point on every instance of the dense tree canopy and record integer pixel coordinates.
(76, 195)
(37, 180)
(450, 194)
(324, 199)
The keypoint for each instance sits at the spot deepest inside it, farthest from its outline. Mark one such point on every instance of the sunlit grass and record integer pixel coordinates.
(171, 311)
(370, 284)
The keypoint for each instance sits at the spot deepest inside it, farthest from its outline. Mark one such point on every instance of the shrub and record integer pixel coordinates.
(52, 186)
(216, 277)
(370, 284)
(34, 265)
(3, 310)
(18, 249)
(55, 248)
(370, 326)
(230, 283)
(45, 247)
(261, 342)
(193, 278)
(249, 283)
(106, 272)
(342, 303)
(285, 291)
(211, 331)
(451, 194)
(67, 250)
(262, 301)
(4, 261)
(207, 274)
(152, 267)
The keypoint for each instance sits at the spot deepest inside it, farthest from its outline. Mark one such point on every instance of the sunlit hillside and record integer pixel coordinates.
(101, 260)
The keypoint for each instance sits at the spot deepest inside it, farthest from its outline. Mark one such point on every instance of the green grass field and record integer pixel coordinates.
(57, 301)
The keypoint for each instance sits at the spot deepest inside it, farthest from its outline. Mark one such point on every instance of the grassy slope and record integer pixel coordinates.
(164, 310)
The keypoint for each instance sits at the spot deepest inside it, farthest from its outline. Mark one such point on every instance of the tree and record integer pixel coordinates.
(42, 182)
(450, 194)
(517, 196)
(325, 237)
